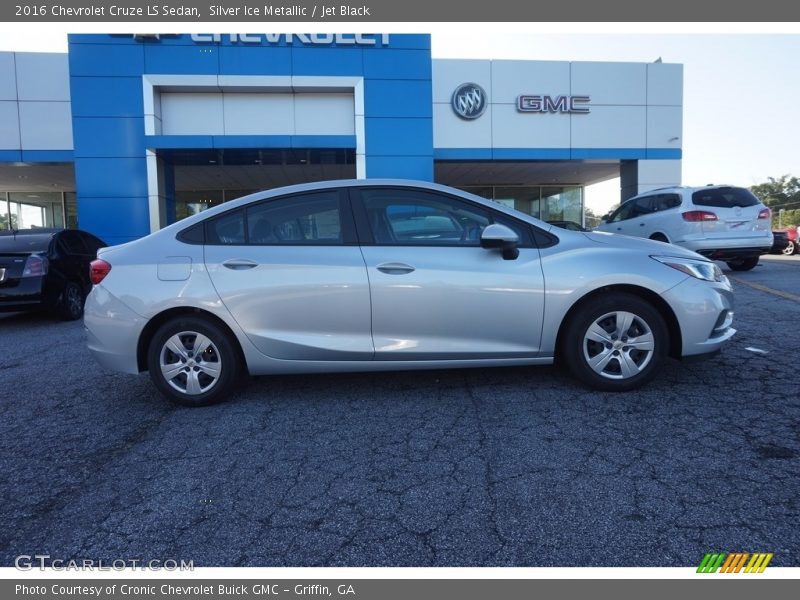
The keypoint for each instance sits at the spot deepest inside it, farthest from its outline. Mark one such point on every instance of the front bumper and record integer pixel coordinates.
(112, 331)
(705, 314)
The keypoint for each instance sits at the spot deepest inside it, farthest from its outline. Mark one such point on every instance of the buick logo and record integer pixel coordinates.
(469, 101)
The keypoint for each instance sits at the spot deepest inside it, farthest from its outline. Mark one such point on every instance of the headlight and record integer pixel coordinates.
(702, 269)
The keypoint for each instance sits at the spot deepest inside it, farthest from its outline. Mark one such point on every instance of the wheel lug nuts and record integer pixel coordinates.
(608, 346)
(624, 338)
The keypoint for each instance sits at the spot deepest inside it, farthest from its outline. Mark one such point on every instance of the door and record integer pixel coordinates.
(290, 272)
(436, 294)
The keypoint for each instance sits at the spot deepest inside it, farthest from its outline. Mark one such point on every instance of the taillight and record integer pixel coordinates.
(35, 266)
(694, 216)
(765, 213)
(98, 269)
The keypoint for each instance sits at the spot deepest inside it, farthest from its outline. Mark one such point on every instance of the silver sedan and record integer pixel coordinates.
(377, 275)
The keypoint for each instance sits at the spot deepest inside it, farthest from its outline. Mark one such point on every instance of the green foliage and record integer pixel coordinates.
(4, 221)
(781, 193)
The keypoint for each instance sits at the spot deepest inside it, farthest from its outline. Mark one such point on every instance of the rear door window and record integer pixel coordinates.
(726, 197)
(667, 201)
(73, 244)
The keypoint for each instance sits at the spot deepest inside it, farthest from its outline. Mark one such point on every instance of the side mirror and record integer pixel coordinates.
(500, 237)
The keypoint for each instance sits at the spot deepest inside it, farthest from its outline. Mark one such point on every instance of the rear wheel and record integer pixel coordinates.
(193, 362)
(659, 237)
(744, 264)
(789, 249)
(70, 305)
(616, 343)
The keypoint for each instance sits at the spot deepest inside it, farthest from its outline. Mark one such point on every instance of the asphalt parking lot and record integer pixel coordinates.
(493, 467)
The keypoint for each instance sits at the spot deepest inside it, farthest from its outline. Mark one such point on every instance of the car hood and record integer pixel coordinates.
(643, 245)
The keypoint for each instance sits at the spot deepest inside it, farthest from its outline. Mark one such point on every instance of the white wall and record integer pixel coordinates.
(35, 111)
(633, 105)
(217, 113)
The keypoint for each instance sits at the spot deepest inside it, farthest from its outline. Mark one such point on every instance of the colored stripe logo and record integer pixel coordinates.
(734, 562)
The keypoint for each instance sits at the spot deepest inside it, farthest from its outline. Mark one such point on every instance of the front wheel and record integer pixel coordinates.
(743, 265)
(616, 343)
(193, 362)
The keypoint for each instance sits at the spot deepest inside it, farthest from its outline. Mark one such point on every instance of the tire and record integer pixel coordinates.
(659, 237)
(743, 265)
(593, 335)
(70, 303)
(788, 250)
(173, 351)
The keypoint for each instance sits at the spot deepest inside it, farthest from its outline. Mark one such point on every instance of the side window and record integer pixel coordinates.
(667, 201)
(307, 219)
(411, 217)
(226, 229)
(92, 243)
(623, 213)
(643, 206)
(72, 244)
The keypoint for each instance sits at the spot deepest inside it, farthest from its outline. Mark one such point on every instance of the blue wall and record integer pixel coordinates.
(107, 110)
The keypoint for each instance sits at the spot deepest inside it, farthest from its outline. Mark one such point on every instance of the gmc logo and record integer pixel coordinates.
(553, 104)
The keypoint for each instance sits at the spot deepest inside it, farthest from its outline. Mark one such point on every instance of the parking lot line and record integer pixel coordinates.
(768, 290)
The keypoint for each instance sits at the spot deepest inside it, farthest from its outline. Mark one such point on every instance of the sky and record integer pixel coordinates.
(740, 124)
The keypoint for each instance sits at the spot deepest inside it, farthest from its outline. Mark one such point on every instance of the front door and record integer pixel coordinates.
(436, 294)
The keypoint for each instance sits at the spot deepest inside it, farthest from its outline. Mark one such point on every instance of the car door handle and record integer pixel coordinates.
(395, 268)
(238, 264)
(641, 224)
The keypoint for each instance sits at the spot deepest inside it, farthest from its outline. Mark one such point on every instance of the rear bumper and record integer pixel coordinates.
(112, 331)
(21, 294)
(728, 248)
(726, 254)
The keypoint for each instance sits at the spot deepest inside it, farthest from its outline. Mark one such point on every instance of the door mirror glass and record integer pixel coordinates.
(500, 237)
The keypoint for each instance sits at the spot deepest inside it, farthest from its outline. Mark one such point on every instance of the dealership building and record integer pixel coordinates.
(125, 134)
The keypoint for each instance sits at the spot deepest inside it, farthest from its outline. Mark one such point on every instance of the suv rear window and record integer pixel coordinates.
(727, 197)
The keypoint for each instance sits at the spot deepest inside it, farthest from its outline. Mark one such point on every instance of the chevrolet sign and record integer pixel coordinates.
(553, 104)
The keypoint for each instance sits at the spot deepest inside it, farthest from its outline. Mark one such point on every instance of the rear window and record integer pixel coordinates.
(724, 197)
(25, 243)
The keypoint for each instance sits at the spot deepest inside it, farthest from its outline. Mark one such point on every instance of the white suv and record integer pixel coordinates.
(718, 221)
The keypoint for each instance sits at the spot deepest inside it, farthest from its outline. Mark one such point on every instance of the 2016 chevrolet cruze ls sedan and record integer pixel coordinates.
(379, 275)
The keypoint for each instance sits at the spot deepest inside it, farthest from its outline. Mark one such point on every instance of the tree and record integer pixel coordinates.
(779, 194)
(4, 221)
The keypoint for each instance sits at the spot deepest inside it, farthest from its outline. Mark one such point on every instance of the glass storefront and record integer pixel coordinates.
(191, 202)
(548, 203)
(27, 210)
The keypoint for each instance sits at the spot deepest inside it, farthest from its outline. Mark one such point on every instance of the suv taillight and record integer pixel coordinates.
(764, 213)
(693, 216)
(35, 266)
(98, 269)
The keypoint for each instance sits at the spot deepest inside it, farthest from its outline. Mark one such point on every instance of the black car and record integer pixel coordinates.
(46, 268)
(780, 243)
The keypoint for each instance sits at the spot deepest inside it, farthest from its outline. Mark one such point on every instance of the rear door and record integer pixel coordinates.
(290, 272)
(737, 211)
